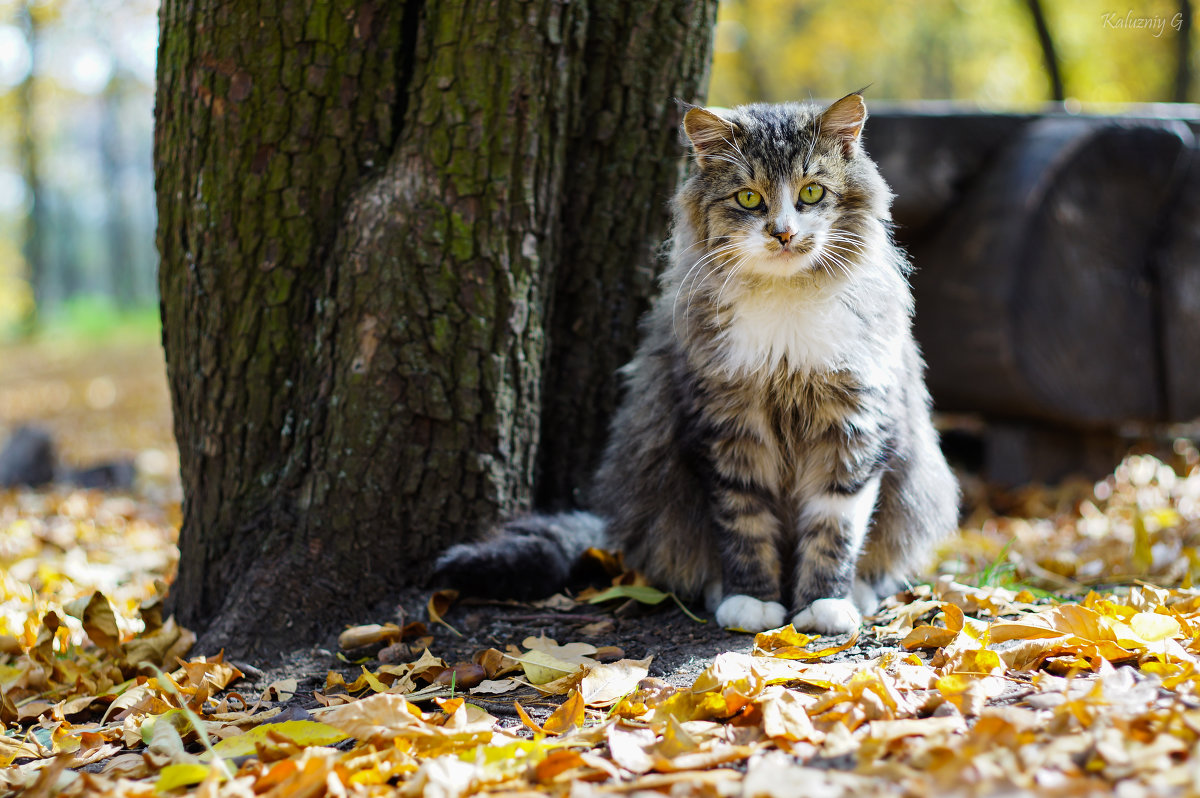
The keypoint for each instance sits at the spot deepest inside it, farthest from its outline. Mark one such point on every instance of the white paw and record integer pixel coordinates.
(863, 596)
(828, 616)
(750, 614)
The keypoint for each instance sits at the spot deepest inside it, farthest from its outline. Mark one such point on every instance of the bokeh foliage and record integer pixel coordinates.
(985, 52)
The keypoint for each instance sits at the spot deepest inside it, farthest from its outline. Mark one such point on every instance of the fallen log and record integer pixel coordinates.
(1037, 295)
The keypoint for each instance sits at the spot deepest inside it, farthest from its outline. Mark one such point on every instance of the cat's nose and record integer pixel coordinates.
(782, 236)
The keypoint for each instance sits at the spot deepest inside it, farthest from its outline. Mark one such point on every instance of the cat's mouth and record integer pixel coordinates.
(796, 246)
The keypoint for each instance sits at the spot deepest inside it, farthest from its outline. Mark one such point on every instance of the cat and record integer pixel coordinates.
(774, 445)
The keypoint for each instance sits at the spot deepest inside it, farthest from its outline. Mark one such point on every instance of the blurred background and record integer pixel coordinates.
(78, 306)
(77, 94)
(79, 331)
(1000, 55)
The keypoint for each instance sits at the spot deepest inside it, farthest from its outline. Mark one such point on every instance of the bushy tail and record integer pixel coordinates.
(528, 557)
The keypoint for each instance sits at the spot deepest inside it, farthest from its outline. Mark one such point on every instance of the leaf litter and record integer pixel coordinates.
(1054, 651)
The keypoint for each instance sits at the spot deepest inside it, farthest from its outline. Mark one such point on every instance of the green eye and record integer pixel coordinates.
(748, 199)
(812, 193)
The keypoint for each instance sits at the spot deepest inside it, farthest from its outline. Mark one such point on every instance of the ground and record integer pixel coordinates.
(1053, 649)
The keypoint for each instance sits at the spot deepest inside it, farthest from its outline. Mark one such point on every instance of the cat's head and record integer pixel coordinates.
(783, 189)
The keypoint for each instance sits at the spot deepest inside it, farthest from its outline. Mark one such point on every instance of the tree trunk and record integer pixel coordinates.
(33, 247)
(1181, 85)
(1049, 53)
(363, 214)
(118, 224)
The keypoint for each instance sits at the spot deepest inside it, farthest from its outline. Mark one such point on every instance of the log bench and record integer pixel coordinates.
(1057, 272)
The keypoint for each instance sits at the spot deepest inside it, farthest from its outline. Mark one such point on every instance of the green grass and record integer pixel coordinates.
(1002, 572)
(91, 320)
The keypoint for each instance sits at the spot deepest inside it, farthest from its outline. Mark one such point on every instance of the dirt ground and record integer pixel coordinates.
(680, 648)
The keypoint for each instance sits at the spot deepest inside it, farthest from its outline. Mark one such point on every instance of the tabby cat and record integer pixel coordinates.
(774, 446)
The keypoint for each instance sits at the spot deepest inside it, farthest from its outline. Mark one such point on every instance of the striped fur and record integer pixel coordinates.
(774, 444)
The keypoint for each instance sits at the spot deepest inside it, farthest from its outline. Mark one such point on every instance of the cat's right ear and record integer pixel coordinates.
(711, 135)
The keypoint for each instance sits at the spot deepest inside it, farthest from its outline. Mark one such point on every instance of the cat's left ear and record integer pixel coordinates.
(710, 134)
(844, 121)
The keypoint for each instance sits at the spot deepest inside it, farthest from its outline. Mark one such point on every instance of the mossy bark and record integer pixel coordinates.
(365, 210)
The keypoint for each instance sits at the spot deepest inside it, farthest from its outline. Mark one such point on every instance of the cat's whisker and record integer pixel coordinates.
(732, 271)
(812, 145)
(717, 157)
(695, 244)
(712, 255)
(716, 265)
(850, 251)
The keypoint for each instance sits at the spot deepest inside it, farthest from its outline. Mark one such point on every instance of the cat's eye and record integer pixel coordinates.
(748, 199)
(812, 193)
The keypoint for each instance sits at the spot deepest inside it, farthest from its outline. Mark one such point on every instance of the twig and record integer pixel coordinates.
(559, 616)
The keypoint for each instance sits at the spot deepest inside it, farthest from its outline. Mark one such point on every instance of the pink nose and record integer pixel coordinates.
(783, 236)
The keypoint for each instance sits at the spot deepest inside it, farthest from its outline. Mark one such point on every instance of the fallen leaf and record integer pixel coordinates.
(603, 685)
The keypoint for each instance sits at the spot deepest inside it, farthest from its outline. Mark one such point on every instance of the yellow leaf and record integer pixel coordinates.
(928, 637)
(799, 653)
(954, 617)
(300, 732)
(1152, 626)
(373, 681)
(184, 774)
(781, 637)
(976, 661)
(1142, 557)
(785, 716)
(569, 715)
(541, 667)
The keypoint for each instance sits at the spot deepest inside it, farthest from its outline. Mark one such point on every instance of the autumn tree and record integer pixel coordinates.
(404, 246)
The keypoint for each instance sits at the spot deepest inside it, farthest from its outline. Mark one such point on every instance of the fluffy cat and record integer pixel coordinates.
(774, 446)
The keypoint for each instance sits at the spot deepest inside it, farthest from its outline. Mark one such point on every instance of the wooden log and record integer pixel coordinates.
(1179, 276)
(930, 153)
(1035, 297)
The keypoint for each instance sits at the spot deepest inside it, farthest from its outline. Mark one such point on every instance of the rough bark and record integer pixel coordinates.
(362, 210)
(622, 151)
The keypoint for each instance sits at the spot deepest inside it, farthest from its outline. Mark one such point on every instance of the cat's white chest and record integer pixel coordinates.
(803, 331)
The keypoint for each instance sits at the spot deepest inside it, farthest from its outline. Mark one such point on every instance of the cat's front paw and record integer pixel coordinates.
(864, 597)
(750, 614)
(828, 616)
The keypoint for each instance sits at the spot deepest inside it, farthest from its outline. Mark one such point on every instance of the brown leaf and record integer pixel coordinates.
(569, 715)
(463, 675)
(495, 663)
(367, 634)
(526, 719)
(604, 685)
(439, 604)
(557, 763)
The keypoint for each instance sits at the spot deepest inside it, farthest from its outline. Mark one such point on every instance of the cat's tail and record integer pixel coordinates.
(529, 557)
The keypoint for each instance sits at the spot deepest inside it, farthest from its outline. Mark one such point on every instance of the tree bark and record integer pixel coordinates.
(33, 247)
(622, 168)
(364, 212)
(1182, 84)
